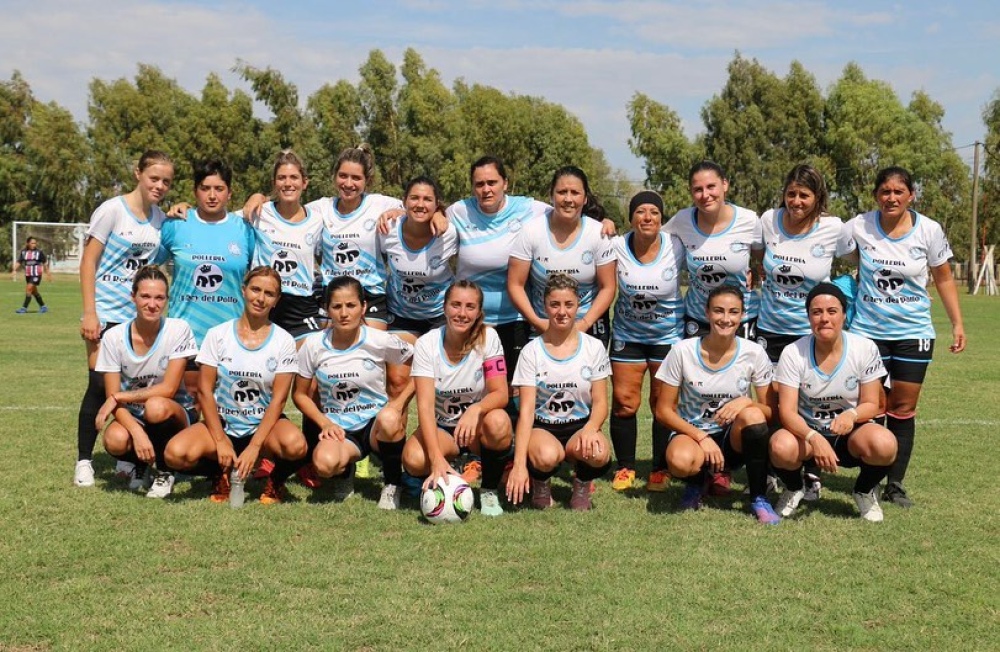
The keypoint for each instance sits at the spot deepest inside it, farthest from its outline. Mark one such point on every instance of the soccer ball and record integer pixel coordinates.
(450, 501)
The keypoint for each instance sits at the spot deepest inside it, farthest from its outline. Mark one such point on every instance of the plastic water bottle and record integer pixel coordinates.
(237, 494)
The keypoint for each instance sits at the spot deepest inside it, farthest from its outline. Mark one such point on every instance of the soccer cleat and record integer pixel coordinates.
(83, 475)
(308, 478)
(658, 480)
(274, 492)
(624, 479)
(263, 469)
(472, 471)
(896, 494)
(163, 484)
(343, 486)
(541, 494)
(788, 501)
(141, 478)
(220, 488)
(21, 311)
(413, 486)
(392, 496)
(489, 503)
(579, 500)
(507, 468)
(691, 498)
(720, 484)
(764, 512)
(43, 310)
(813, 486)
(868, 505)
(362, 469)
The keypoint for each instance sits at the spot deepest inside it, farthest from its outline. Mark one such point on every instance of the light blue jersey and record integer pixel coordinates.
(418, 278)
(563, 386)
(245, 377)
(352, 380)
(649, 309)
(210, 260)
(485, 243)
(289, 247)
(129, 243)
(892, 301)
(794, 265)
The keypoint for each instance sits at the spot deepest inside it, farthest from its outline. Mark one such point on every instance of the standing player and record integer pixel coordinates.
(34, 262)
(828, 391)
(896, 247)
(461, 385)
(649, 318)
(563, 377)
(143, 363)
(124, 235)
(705, 399)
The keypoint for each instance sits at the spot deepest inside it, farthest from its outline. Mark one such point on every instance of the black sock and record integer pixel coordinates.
(791, 479)
(38, 298)
(129, 456)
(624, 432)
(391, 453)
(493, 463)
(696, 479)
(86, 429)
(27, 302)
(540, 475)
(661, 437)
(283, 469)
(310, 429)
(755, 454)
(904, 430)
(869, 477)
(810, 467)
(586, 473)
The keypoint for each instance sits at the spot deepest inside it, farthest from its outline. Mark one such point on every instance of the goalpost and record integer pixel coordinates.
(62, 242)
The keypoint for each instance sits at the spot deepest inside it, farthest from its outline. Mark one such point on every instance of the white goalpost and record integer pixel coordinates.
(62, 242)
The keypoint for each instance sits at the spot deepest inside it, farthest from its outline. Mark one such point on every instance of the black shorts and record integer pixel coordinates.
(297, 315)
(240, 443)
(361, 438)
(638, 353)
(561, 431)
(417, 327)
(513, 336)
(601, 329)
(33, 280)
(191, 365)
(906, 360)
(774, 343)
(106, 327)
(733, 459)
(839, 445)
(377, 310)
(698, 328)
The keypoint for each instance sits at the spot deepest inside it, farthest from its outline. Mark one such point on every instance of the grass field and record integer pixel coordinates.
(106, 569)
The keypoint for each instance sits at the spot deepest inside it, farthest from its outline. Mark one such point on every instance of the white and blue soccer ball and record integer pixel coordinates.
(450, 501)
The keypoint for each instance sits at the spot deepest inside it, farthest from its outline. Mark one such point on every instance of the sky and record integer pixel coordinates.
(591, 56)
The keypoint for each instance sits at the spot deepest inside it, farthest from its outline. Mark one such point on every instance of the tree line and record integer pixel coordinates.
(758, 126)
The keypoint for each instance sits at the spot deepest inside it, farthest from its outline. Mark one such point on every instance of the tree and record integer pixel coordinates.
(336, 114)
(658, 139)
(380, 127)
(989, 198)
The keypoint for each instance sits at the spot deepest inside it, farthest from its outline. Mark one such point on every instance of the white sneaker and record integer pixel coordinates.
(813, 486)
(788, 501)
(141, 478)
(868, 505)
(390, 498)
(163, 484)
(83, 476)
(124, 470)
(489, 503)
(343, 488)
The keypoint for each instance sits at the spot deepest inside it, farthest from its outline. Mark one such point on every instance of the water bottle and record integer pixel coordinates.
(237, 494)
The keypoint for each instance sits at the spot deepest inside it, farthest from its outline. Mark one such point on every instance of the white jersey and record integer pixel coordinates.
(794, 265)
(892, 301)
(580, 260)
(352, 380)
(130, 242)
(459, 385)
(821, 396)
(716, 259)
(116, 355)
(486, 242)
(563, 386)
(650, 308)
(350, 242)
(245, 378)
(702, 391)
(418, 278)
(289, 247)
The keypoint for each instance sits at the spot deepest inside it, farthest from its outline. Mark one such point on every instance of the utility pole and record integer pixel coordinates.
(973, 253)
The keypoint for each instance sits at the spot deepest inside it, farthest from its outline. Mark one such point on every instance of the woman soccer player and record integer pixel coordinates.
(705, 399)
(143, 363)
(348, 362)
(247, 367)
(461, 385)
(124, 235)
(828, 392)
(896, 247)
(562, 376)
(35, 262)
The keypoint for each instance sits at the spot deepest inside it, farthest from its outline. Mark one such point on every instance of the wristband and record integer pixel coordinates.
(812, 433)
(855, 411)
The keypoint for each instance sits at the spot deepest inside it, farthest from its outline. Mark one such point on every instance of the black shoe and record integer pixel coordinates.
(895, 494)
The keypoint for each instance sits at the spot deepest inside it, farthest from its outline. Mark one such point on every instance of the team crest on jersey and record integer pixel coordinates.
(162, 364)
(738, 247)
(587, 258)
(310, 239)
(691, 328)
(282, 264)
(668, 273)
(642, 304)
(851, 383)
(272, 364)
(818, 251)
(917, 253)
(455, 406)
(888, 281)
(560, 404)
(345, 254)
(742, 384)
(762, 341)
(479, 374)
(234, 249)
(369, 225)
(368, 364)
(618, 345)
(586, 373)
(246, 392)
(208, 277)
(514, 225)
(436, 262)
(788, 276)
(710, 275)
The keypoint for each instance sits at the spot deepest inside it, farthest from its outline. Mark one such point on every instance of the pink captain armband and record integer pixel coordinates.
(494, 367)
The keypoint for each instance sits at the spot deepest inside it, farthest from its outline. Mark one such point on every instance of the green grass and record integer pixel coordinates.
(105, 569)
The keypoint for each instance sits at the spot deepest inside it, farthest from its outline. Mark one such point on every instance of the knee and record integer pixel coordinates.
(397, 382)
(414, 459)
(625, 404)
(389, 423)
(157, 410)
(496, 430)
(683, 462)
(296, 448)
(176, 457)
(750, 416)
(785, 451)
(882, 449)
(327, 463)
(546, 458)
(116, 441)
